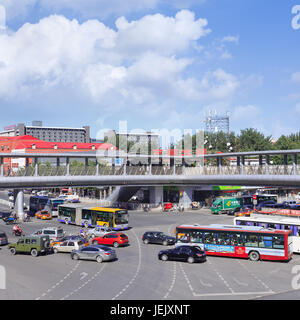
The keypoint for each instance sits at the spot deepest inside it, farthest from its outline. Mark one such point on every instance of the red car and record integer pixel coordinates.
(115, 239)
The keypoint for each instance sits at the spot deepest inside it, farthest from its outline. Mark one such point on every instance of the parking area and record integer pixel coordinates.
(138, 274)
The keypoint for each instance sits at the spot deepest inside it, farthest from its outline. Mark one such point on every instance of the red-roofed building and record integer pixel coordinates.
(30, 144)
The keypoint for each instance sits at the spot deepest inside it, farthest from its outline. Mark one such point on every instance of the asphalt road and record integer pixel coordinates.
(138, 274)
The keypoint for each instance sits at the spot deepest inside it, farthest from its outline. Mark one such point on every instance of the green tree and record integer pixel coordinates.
(252, 140)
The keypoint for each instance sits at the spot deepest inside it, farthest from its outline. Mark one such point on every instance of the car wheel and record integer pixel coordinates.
(34, 252)
(164, 257)
(254, 256)
(75, 256)
(165, 243)
(99, 259)
(116, 244)
(13, 251)
(190, 260)
(146, 241)
(55, 250)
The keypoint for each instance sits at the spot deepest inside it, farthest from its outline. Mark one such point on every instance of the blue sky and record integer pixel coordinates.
(155, 63)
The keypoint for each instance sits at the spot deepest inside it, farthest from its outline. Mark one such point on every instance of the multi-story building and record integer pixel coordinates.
(142, 138)
(49, 134)
(30, 145)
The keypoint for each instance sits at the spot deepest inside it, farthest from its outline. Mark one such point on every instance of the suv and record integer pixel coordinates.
(114, 239)
(31, 244)
(54, 233)
(158, 237)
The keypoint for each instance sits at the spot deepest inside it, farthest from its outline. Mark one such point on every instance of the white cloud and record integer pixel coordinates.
(142, 65)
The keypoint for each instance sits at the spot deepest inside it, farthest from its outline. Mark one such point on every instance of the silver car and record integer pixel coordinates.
(99, 231)
(98, 253)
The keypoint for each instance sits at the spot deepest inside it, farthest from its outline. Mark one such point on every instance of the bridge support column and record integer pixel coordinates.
(86, 164)
(36, 167)
(156, 195)
(97, 168)
(295, 163)
(19, 203)
(243, 165)
(68, 166)
(238, 164)
(285, 162)
(219, 165)
(1, 167)
(267, 164)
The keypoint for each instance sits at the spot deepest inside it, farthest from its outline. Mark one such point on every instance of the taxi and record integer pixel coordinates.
(44, 215)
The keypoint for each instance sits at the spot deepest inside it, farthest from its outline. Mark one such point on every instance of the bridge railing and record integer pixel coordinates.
(156, 170)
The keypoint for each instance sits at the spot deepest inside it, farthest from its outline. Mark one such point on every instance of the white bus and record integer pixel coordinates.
(274, 222)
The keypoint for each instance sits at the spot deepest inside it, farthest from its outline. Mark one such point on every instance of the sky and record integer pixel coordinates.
(154, 63)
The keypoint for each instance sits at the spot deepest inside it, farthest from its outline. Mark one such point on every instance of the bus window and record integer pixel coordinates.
(86, 214)
(237, 240)
(251, 240)
(265, 242)
(184, 237)
(278, 242)
(196, 237)
(210, 237)
(286, 227)
(225, 239)
(272, 226)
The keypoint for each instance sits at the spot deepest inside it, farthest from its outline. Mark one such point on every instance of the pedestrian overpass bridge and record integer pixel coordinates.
(56, 170)
(272, 168)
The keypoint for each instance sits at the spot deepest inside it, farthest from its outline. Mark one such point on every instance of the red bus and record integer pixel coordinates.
(254, 243)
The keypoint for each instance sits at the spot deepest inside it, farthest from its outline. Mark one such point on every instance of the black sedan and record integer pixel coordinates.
(190, 254)
(158, 238)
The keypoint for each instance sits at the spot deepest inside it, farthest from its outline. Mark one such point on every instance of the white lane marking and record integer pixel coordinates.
(240, 283)
(255, 277)
(84, 284)
(59, 282)
(173, 281)
(137, 270)
(221, 277)
(187, 279)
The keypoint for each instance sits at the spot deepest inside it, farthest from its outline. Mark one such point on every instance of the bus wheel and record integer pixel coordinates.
(254, 256)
